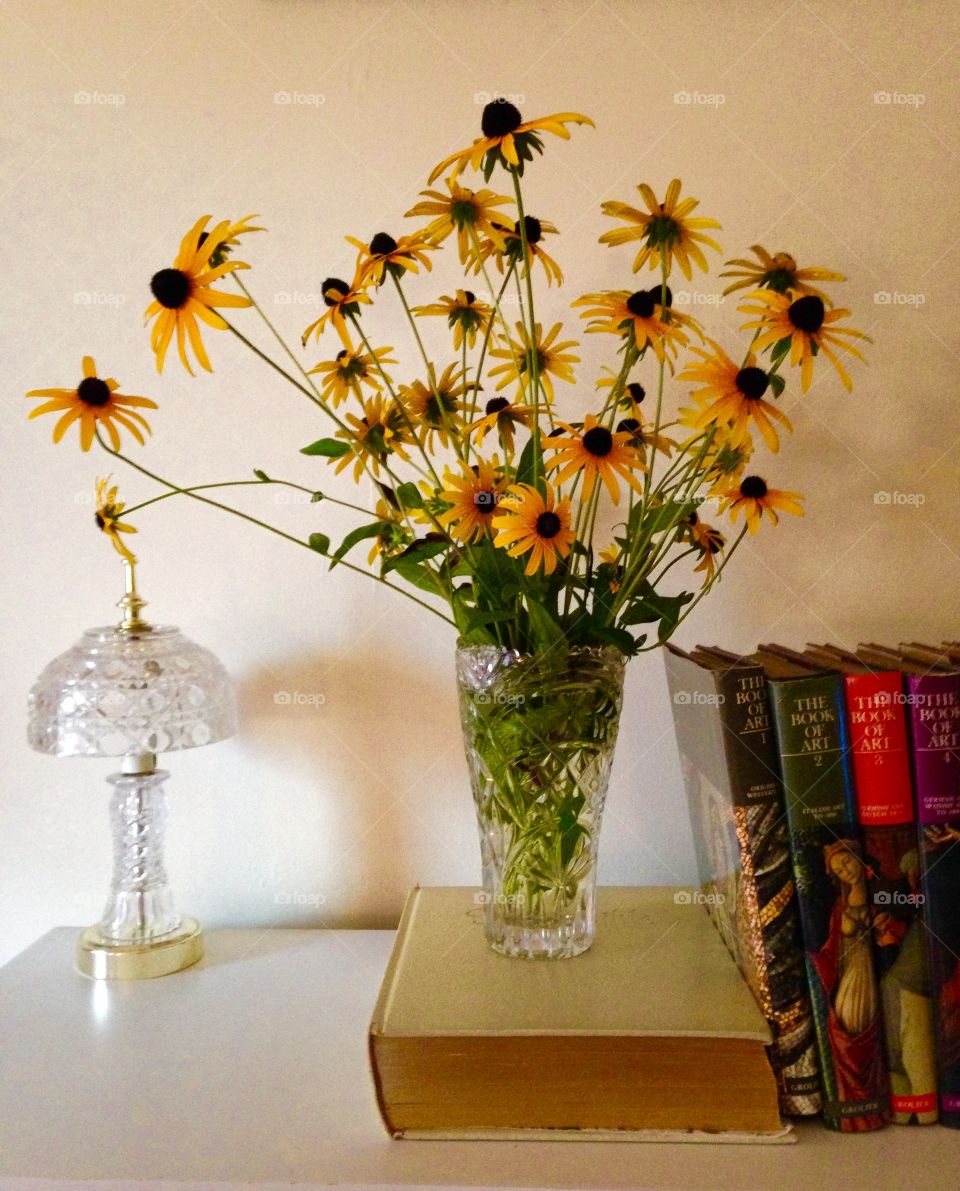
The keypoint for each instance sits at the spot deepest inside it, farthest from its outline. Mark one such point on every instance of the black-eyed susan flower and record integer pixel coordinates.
(433, 406)
(528, 520)
(666, 230)
(512, 249)
(610, 557)
(754, 498)
(472, 214)
(507, 139)
(550, 358)
(638, 315)
(725, 458)
(94, 402)
(184, 295)
(384, 255)
(372, 437)
(645, 438)
(231, 241)
(707, 540)
(473, 496)
(345, 375)
(465, 313)
(809, 327)
(108, 513)
(393, 536)
(631, 393)
(778, 272)
(731, 394)
(342, 300)
(504, 416)
(596, 453)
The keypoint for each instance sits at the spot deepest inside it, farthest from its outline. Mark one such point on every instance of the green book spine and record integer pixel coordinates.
(830, 877)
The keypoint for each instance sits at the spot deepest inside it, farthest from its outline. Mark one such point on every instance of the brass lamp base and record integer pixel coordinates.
(105, 960)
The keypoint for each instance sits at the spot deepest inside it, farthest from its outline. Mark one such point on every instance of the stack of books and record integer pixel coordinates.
(824, 789)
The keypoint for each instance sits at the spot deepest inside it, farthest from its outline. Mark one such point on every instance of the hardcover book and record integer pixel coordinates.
(732, 779)
(809, 717)
(877, 719)
(933, 689)
(652, 1034)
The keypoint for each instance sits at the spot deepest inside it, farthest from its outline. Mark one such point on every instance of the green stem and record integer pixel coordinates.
(247, 484)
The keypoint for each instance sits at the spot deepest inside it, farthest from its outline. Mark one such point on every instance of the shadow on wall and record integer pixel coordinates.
(364, 733)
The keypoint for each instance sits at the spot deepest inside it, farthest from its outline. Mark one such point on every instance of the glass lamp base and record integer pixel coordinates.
(105, 959)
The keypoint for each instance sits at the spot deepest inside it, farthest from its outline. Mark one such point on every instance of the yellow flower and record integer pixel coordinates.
(735, 395)
(503, 416)
(342, 301)
(373, 437)
(665, 229)
(529, 520)
(552, 359)
(473, 498)
(94, 401)
(350, 370)
(708, 541)
(595, 453)
(465, 314)
(640, 315)
(392, 538)
(385, 255)
(512, 249)
(809, 327)
(109, 511)
(435, 404)
(641, 438)
(507, 138)
(752, 495)
(778, 272)
(469, 213)
(184, 292)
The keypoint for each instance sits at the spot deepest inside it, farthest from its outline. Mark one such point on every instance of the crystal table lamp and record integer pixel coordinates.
(132, 691)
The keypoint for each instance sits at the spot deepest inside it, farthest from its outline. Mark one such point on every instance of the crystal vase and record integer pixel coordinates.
(540, 731)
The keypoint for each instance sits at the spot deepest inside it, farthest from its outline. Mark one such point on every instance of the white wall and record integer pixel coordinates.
(352, 802)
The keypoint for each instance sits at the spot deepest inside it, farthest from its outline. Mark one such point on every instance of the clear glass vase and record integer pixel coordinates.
(540, 731)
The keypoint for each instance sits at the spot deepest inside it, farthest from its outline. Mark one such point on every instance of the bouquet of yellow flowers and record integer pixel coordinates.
(485, 498)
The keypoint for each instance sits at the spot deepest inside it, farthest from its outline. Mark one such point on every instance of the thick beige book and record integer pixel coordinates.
(651, 1034)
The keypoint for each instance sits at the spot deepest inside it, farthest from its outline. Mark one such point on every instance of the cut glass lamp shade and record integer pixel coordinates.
(133, 691)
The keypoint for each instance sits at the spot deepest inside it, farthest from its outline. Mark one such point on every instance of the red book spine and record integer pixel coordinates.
(879, 740)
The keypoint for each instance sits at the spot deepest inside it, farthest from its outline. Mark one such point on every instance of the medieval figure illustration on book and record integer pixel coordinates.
(905, 991)
(941, 885)
(844, 965)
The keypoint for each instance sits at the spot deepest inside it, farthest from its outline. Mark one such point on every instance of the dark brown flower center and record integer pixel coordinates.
(500, 118)
(548, 525)
(93, 391)
(532, 227)
(753, 487)
(101, 524)
(641, 303)
(470, 296)
(484, 502)
(752, 383)
(807, 313)
(496, 404)
(171, 288)
(598, 441)
(630, 426)
(636, 391)
(382, 244)
(340, 290)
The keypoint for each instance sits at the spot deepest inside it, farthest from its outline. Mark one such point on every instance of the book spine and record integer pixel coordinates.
(770, 932)
(876, 711)
(812, 738)
(934, 715)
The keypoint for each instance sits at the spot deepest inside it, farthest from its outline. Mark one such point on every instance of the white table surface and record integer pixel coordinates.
(251, 1070)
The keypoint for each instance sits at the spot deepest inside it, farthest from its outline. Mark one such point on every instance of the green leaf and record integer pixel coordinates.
(478, 618)
(777, 383)
(409, 496)
(332, 448)
(530, 456)
(420, 576)
(546, 633)
(319, 542)
(357, 535)
(418, 551)
(619, 638)
(779, 350)
(261, 475)
(647, 606)
(316, 497)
